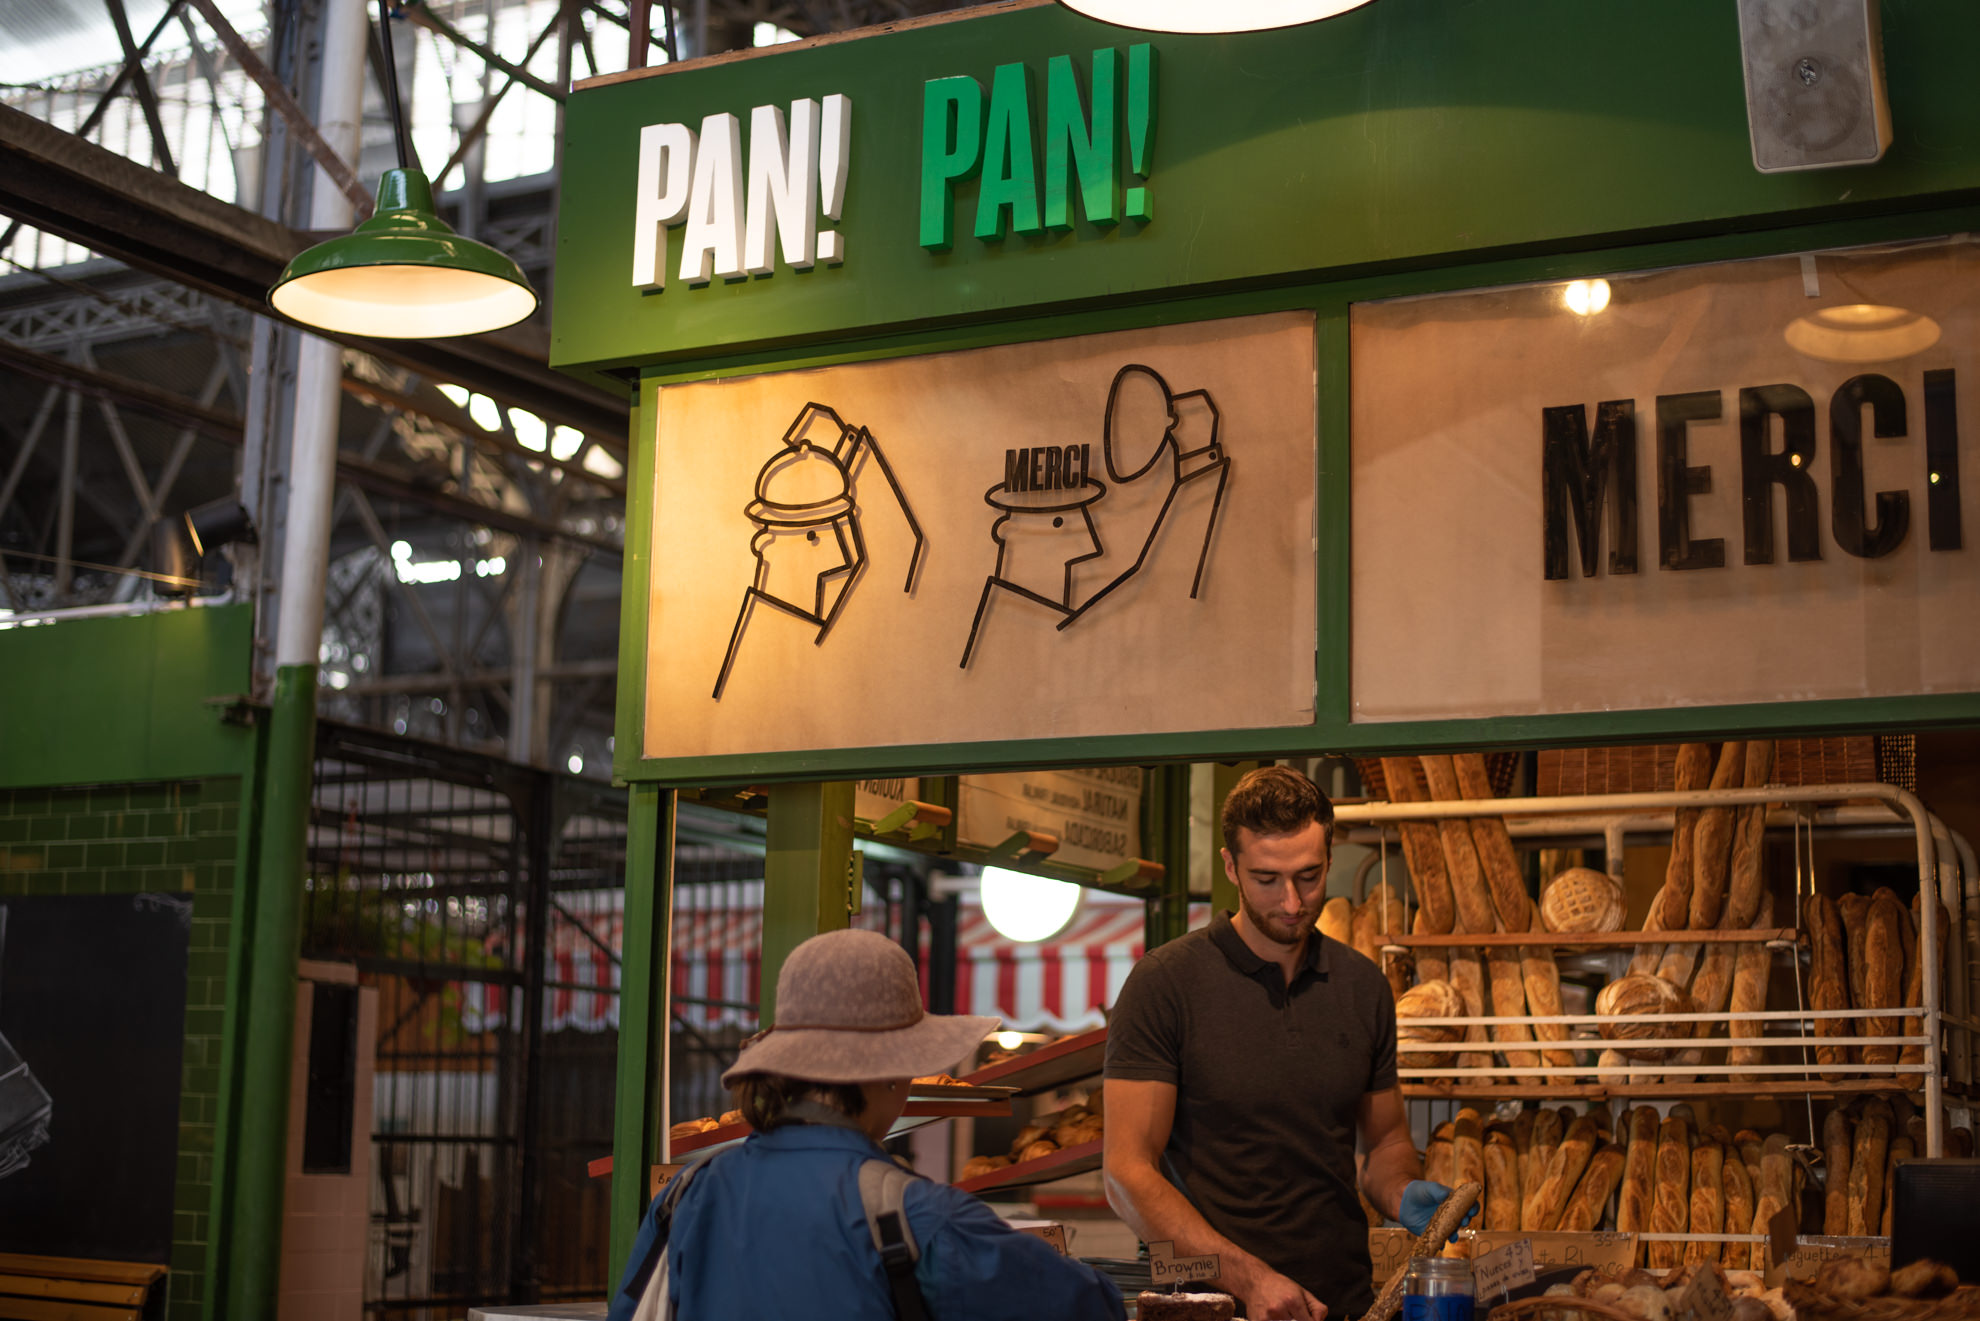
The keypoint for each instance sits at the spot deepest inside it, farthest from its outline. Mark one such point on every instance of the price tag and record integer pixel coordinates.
(1502, 1270)
(1165, 1267)
(1705, 1299)
(1781, 1234)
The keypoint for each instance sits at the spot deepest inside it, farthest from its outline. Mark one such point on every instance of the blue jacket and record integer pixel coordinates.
(774, 1228)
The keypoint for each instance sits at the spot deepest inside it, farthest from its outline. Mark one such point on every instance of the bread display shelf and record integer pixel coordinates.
(1424, 1090)
(1061, 1164)
(925, 1106)
(1593, 939)
(1050, 1066)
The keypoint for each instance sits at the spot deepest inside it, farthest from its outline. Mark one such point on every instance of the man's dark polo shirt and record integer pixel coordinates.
(1268, 1090)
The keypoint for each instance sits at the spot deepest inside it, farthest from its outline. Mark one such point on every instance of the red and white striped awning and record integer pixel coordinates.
(1059, 985)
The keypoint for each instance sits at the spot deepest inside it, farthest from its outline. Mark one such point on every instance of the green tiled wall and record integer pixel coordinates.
(120, 839)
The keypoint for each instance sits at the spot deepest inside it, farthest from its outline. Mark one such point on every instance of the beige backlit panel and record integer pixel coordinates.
(783, 552)
(1453, 612)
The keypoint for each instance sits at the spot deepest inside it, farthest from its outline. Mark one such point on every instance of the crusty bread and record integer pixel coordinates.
(1670, 908)
(1432, 965)
(1042, 1147)
(1583, 899)
(1746, 884)
(1547, 1131)
(1495, 848)
(1866, 1167)
(1638, 994)
(1883, 970)
(1502, 969)
(1738, 1199)
(1545, 1205)
(1670, 1212)
(1468, 975)
(1542, 976)
(1854, 910)
(1469, 891)
(1590, 1201)
(1828, 977)
(1639, 1180)
(1468, 1148)
(1438, 1158)
(1753, 967)
(1836, 1145)
(1337, 919)
(1711, 844)
(1428, 1000)
(1502, 1196)
(1902, 1148)
(1708, 1200)
(1423, 850)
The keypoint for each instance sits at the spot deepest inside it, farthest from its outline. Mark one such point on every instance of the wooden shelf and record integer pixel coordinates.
(925, 1105)
(1595, 939)
(1061, 1164)
(1596, 1091)
(1066, 1060)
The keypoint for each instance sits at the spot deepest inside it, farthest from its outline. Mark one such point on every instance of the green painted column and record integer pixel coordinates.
(639, 1112)
(252, 1262)
(805, 873)
(1165, 834)
(1223, 776)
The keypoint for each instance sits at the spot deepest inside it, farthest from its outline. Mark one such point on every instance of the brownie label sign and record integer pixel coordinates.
(1745, 482)
(996, 544)
(1166, 1268)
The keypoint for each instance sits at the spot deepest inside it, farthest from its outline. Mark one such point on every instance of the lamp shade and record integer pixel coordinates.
(1203, 16)
(403, 274)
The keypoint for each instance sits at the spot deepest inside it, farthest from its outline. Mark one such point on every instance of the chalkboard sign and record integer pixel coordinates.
(93, 1007)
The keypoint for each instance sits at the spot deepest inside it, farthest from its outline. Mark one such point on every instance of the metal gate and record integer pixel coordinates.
(481, 900)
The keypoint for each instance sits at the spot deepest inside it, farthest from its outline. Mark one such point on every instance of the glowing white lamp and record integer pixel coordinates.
(1024, 908)
(1861, 332)
(1198, 16)
(1586, 297)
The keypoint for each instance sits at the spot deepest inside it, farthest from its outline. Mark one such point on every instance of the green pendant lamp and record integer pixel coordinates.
(403, 274)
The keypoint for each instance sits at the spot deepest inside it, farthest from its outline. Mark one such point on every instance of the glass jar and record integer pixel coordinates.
(1438, 1289)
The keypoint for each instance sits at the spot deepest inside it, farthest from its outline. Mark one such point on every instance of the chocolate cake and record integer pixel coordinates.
(1157, 1306)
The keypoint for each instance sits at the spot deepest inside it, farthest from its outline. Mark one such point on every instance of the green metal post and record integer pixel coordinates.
(274, 915)
(1223, 775)
(1165, 832)
(809, 849)
(639, 1113)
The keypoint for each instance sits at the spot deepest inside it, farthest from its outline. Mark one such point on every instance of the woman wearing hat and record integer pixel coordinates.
(778, 1227)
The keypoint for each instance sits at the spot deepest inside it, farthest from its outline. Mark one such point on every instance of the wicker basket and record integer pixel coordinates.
(1812, 1304)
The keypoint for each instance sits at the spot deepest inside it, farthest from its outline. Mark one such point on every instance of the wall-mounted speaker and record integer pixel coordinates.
(1815, 94)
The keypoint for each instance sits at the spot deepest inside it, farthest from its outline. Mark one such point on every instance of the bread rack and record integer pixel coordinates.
(1946, 869)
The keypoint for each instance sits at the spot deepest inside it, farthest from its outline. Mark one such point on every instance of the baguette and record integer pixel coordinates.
(1670, 1213)
(1590, 1201)
(1835, 1165)
(1901, 1149)
(1670, 909)
(1753, 968)
(1495, 847)
(1502, 1200)
(1468, 976)
(1423, 850)
(1546, 1136)
(1379, 914)
(1708, 1200)
(1439, 1158)
(1502, 967)
(1914, 984)
(1545, 1206)
(1737, 1191)
(1828, 978)
(1469, 892)
(1854, 911)
(1467, 1148)
(1432, 965)
(1747, 884)
(1542, 976)
(1639, 1180)
(1711, 844)
(1444, 1222)
(1337, 919)
(1866, 1167)
(1883, 971)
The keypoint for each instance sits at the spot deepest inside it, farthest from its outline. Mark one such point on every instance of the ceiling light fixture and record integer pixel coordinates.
(1197, 16)
(1026, 908)
(1861, 332)
(403, 274)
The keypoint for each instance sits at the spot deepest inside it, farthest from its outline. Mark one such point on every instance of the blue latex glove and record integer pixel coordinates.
(1420, 1201)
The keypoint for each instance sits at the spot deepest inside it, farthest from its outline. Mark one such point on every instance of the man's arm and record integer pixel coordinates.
(1390, 1161)
(1139, 1117)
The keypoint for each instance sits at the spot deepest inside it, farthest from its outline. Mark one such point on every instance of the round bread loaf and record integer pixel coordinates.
(976, 1165)
(1042, 1147)
(1642, 993)
(1431, 1000)
(1583, 899)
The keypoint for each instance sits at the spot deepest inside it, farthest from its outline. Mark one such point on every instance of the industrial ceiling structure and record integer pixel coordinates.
(156, 161)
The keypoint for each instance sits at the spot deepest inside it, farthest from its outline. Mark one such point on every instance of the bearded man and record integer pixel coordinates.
(1245, 1060)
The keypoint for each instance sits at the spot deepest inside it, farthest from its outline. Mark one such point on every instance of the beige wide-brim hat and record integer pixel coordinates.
(849, 1011)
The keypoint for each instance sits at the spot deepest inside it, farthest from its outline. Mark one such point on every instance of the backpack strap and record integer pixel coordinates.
(882, 1189)
(640, 1272)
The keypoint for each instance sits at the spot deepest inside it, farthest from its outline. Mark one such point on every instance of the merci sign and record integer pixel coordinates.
(1165, 1267)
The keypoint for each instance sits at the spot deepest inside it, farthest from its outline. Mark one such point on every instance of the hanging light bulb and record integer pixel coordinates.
(1026, 908)
(1198, 16)
(403, 274)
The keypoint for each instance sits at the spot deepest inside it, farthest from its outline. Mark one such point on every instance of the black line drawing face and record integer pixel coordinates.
(1047, 529)
(809, 550)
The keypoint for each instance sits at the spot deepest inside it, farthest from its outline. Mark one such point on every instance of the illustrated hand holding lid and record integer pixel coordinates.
(1141, 417)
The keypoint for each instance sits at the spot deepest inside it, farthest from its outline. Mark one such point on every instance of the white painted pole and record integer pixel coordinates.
(319, 366)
